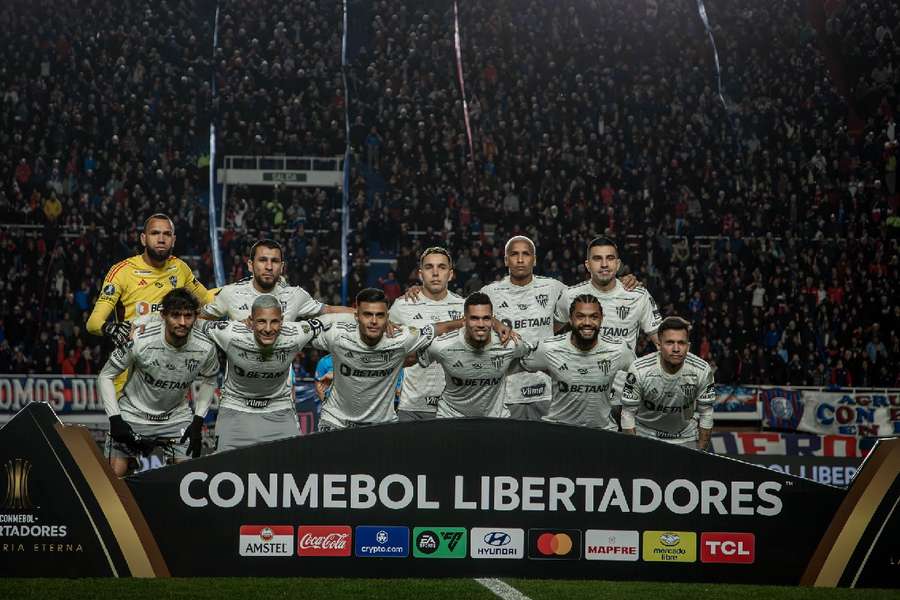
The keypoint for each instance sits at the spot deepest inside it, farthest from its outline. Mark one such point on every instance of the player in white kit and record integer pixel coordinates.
(475, 363)
(163, 359)
(367, 362)
(669, 395)
(257, 403)
(625, 313)
(266, 265)
(582, 365)
(422, 386)
(525, 302)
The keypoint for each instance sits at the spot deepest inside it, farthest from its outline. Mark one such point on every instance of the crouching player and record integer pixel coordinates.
(162, 361)
(669, 394)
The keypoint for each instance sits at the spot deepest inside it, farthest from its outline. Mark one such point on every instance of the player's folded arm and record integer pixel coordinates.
(331, 309)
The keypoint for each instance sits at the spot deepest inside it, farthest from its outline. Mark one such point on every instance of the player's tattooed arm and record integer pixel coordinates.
(505, 332)
(630, 282)
(447, 326)
(330, 309)
(412, 293)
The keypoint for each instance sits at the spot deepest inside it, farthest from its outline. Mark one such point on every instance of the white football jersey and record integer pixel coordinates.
(233, 301)
(257, 378)
(581, 379)
(365, 377)
(529, 310)
(625, 314)
(664, 406)
(160, 375)
(474, 378)
(422, 386)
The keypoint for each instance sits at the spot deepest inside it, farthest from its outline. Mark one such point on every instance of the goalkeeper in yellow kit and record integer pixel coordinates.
(139, 283)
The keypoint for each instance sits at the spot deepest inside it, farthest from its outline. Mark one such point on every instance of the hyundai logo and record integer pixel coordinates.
(497, 538)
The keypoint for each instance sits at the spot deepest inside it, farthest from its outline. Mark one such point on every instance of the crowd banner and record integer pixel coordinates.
(75, 399)
(498, 497)
(782, 408)
(773, 443)
(736, 402)
(860, 414)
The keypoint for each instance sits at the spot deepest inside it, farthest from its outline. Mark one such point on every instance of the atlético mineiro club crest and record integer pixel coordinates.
(622, 312)
(542, 299)
(604, 366)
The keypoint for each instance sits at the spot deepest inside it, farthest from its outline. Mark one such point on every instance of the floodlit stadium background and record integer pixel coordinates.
(748, 171)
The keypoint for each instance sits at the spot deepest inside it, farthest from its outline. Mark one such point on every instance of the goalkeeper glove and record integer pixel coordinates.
(122, 433)
(117, 332)
(194, 433)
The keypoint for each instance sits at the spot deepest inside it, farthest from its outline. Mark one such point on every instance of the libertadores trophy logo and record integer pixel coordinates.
(17, 473)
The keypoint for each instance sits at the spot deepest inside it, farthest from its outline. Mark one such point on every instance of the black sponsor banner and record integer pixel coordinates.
(528, 499)
(829, 470)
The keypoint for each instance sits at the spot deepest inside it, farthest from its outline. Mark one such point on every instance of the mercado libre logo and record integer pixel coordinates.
(670, 546)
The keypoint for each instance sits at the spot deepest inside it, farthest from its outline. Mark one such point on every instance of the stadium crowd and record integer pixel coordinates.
(764, 221)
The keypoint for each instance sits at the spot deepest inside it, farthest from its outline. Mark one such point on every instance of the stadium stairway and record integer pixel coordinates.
(817, 13)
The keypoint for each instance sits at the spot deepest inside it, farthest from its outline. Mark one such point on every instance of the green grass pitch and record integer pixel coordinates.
(400, 589)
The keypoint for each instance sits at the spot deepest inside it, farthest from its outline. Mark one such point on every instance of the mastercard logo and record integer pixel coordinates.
(559, 544)
(555, 543)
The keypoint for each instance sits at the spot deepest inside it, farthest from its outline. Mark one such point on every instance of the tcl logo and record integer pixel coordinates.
(323, 540)
(725, 547)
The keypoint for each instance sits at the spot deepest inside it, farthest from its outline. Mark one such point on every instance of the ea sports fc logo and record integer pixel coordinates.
(554, 544)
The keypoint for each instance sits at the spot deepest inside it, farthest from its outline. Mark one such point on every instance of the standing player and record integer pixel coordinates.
(422, 386)
(367, 362)
(163, 360)
(475, 363)
(582, 366)
(669, 395)
(266, 265)
(138, 284)
(257, 403)
(525, 302)
(625, 313)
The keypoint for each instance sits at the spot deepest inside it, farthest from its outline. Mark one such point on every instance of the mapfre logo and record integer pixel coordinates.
(611, 544)
(727, 547)
(324, 540)
(267, 540)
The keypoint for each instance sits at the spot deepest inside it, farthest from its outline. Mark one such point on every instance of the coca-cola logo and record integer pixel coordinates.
(323, 540)
(332, 541)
